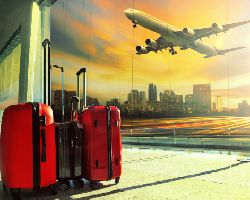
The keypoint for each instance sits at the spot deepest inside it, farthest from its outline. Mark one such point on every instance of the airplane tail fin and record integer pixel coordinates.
(223, 52)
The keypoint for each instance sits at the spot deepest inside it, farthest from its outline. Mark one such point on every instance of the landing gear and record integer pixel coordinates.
(172, 51)
(134, 24)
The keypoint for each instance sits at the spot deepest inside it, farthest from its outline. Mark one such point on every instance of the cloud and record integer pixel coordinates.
(98, 35)
(240, 92)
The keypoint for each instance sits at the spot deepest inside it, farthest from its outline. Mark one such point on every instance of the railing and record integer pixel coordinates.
(212, 138)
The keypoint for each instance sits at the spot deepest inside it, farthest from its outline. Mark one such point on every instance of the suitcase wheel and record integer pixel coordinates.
(117, 180)
(94, 185)
(16, 194)
(4, 187)
(78, 183)
(64, 185)
(81, 182)
(53, 189)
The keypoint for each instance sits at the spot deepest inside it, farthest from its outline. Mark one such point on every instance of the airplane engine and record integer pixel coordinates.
(151, 43)
(188, 32)
(217, 27)
(141, 49)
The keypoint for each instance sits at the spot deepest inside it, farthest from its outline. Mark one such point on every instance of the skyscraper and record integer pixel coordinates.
(143, 98)
(152, 93)
(201, 98)
(134, 98)
(113, 102)
(219, 104)
(188, 103)
(178, 103)
(168, 101)
(243, 108)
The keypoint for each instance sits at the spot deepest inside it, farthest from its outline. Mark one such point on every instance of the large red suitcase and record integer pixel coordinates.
(28, 149)
(27, 142)
(102, 144)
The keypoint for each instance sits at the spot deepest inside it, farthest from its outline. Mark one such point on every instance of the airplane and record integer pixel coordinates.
(171, 36)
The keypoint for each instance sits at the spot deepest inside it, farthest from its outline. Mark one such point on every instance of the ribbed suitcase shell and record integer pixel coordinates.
(96, 143)
(69, 151)
(18, 168)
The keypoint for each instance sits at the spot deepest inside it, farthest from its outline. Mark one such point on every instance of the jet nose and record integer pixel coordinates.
(128, 12)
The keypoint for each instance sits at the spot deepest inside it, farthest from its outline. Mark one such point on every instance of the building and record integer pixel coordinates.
(90, 101)
(243, 108)
(179, 104)
(219, 104)
(201, 98)
(113, 102)
(152, 93)
(134, 98)
(143, 99)
(214, 107)
(24, 25)
(168, 101)
(188, 103)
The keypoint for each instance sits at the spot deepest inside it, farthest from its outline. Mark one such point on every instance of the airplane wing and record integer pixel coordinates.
(224, 51)
(154, 45)
(216, 28)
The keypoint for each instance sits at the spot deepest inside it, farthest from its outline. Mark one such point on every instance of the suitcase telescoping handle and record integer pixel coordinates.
(84, 86)
(62, 72)
(74, 102)
(46, 64)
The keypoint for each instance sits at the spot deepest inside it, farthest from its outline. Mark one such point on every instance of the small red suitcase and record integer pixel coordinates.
(102, 146)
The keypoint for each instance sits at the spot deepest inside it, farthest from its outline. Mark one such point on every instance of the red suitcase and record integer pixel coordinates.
(28, 154)
(102, 146)
(28, 147)
(102, 143)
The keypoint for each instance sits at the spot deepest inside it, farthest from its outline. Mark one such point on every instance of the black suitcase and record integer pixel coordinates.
(69, 153)
(69, 148)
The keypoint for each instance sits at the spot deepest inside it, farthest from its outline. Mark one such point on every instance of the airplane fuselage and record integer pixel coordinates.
(169, 32)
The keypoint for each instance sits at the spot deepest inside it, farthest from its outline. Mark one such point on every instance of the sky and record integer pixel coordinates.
(97, 35)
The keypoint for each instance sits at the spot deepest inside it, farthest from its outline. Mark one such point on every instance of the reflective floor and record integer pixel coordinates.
(168, 174)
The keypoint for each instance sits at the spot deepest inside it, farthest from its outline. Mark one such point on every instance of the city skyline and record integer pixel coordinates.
(194, 102)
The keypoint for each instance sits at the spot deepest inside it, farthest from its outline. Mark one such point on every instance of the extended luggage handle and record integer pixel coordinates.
(63, 95)
(74, 101)
(84, 86)
(45, 43)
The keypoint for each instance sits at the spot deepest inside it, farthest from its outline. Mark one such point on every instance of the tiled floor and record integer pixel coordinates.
(174, 175)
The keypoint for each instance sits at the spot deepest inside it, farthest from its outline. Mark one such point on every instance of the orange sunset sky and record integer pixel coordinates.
(96, 34)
